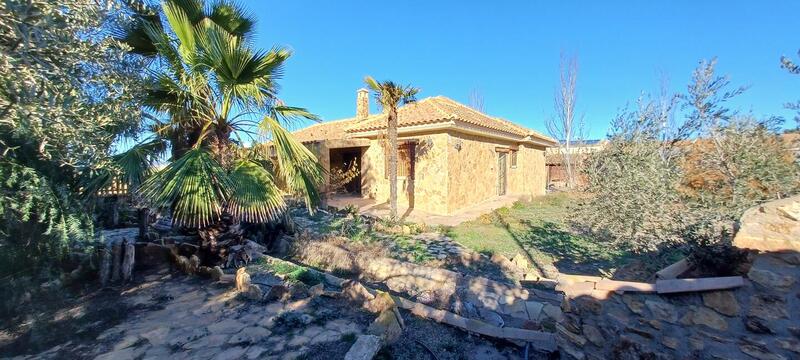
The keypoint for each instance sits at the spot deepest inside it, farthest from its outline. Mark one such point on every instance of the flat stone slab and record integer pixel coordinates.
(365, 348)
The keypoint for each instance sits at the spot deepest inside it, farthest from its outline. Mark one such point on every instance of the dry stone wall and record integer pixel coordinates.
(760, 320)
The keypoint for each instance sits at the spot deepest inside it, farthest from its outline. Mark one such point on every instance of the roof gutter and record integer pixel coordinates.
(462, 127)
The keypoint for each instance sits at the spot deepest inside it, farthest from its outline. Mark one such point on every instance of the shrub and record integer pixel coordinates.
(68, 90)
(659, 180)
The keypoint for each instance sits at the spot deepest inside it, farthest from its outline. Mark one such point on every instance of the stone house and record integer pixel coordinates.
(450, 156)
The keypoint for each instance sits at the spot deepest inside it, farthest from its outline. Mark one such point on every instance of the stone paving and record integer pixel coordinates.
(188, 319)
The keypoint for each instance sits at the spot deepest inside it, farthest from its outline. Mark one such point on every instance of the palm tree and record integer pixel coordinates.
(390, 95)
(208, 88)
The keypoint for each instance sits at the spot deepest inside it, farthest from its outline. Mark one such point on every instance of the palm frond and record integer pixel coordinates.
(232, 17)
(289, 115)
(194, 187)
(136, 163)
(255, 197)
(389, 94)
(194, 9)
(130, 167)
(297, 167)
(180, 23)
(135, 33)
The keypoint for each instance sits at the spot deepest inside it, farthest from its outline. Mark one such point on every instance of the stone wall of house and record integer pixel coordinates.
(322, 153)
(427, 191)
(533, 170)
(760, 320)
(473, 169)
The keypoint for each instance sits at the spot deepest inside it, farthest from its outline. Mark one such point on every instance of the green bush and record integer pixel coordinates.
(660, 179)
(68, 91)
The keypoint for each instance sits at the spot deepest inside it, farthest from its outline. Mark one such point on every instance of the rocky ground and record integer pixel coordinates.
(165, 315)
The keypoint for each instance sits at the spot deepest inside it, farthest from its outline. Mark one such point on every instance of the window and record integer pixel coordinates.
(405, 160)
(513, 159)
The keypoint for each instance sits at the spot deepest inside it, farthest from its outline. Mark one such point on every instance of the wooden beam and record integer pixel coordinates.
(539, 339)
(702, 284)
(613, 285)
(674, 270)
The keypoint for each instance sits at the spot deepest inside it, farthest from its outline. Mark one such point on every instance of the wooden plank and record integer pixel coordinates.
(702, 284)
(539, 339)
(568, 278)
(674, 270)
(613, 285)
(569, 287)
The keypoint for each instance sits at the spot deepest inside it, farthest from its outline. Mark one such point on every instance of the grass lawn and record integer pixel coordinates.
(539, 228)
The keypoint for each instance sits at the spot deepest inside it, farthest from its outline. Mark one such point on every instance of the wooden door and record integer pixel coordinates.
(502, 180)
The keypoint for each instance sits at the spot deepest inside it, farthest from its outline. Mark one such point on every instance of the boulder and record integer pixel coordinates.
(662, 311)
(757, 326)
(768, 307)
(387, 326)
(770, 280)
(593, 335)
(772, 226)
(724, 302)
(491, 317)
(276, 292)
(707, 317)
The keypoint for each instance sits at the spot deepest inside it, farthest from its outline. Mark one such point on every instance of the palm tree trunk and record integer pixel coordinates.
(391, 129)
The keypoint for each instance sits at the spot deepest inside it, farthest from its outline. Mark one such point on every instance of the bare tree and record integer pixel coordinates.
(476, 100)
(565, 126)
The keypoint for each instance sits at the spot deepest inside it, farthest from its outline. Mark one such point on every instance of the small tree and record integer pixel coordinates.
(390, 95)
(565, 126)
(68, 91)
(659, 180)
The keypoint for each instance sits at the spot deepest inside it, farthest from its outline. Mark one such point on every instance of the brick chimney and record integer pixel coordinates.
(362, 104)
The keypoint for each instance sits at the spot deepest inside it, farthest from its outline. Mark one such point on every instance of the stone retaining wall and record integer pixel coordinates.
(469, 296)
(760, 320)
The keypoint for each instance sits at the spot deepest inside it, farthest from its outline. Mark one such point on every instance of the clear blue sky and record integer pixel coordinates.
(509, 51)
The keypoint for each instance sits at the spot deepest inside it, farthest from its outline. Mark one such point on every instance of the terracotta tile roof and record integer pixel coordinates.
(430, 110)
(441, 109)
(324, 130)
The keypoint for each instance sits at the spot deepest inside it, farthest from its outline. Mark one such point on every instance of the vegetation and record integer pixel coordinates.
(565, 127)
(659, 182)
(390, 96)
(540, 229)
(292, 273)
(793, 68)
(207, 88)
(68, 90)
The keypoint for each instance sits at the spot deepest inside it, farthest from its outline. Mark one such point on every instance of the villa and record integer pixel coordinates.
(450, 156)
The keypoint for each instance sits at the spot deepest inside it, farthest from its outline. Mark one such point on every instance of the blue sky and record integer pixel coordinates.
(509, 51)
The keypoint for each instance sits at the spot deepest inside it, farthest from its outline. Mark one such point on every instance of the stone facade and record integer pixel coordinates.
(427, 191)
(456, 161)
(473, 172)
(451, 171)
